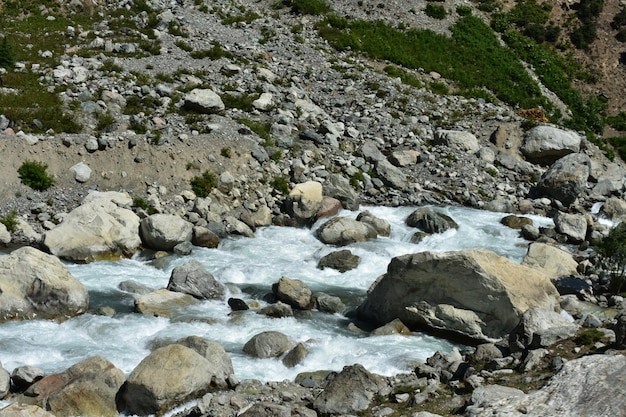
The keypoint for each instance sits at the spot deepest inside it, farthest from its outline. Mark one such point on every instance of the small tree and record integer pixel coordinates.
(612, 249)
(7, 57)
(34, 175)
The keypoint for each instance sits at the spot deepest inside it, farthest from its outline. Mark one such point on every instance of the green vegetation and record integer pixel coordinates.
(216, 52)
(486, 63)
(587, 13)
(260, 128)
(314, 7)
(34, 175)
(588, 337)
(281, 184)
(204, 184)
(612, 249)
(10, 221)
(7, 56)
(140, 203)
(239, 101)
(184, 46)
(226, 152)
(248, 17)
(435, 11)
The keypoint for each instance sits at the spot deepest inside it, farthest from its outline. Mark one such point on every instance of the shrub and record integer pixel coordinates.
(612, 249)
(144, 205)
(10, 221)
(7, 57)
(226, 152)
(281, 185)
(588, 337)
(204, 184)
(34, 175)
(436, 11)
(309, 6)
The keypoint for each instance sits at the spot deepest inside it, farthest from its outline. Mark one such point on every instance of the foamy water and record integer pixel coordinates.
(249, 267)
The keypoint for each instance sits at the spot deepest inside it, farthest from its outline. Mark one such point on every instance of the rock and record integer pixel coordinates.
(5, 235)
(293, 292)
(516, 222)
(342, 260)
(330, 207)
(391, 175)
(430, 221)
(220, 364)
(98, 229)
(269, 344)
(304, 201)
(337, 186)
(25, 376)
(382, 226)
(264, 103)
(545, 144)
(328, 303)
(277, 310)
(614, 208)
(490, 393)
(574, 226)
(266, 409)
(404, 158)
(471, 294)
(81, 172)
(394, 327)
(192, 278)
(183, 249)
(23, 410)
(551, 260)
(566, 179)
(261, 217)
(162, 303)
(485, 353)
(350, 391)
(573, 285)
(530, 232)
(295, 355)
(134, 287)
(5, 382)
(583, 387)
(168, 377)
(35, 284)
(203, 101)
(88, 388)
(342, 231)
(237, 227)
(237, 304)
(205, 238)
(458, 139)
(164, 231)
(540, 328)
(620, 330)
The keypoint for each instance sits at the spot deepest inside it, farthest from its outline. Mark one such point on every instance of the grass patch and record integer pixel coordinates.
(260, 128)
(239, 101)
(314, 7)
(140, 203)
(436, 11)
(216, 52)
(203, 185)
(281, 184)
(10, 221)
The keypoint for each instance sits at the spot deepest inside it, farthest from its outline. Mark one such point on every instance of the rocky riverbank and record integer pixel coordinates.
(289, 131)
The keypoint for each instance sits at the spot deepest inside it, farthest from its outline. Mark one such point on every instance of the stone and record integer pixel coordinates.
(220, 364)
(168, 377)
(350, 391)
(203, 101)
(430, 221)
(328, 303)
(551, 260)
(24, 410)
(404, 159)
(337, 186)
(183, 249)
(193, 278)
(5, 235)
(566, 179)
(545, 144)
(162, 303)
(237, 227)
(265, 102)
(269, 344)
(88, 388)
(471, 294)
(485, 353)
(81, 172)
(574, 226)
(540, 328)
(391, 175)
(394, 327)
(304, 201)
(237, 304)
(293, 292)
(25, 376)
(464, 141)
(35, 284)
(515, 222)
(614, 208)
(295, 355)
(489, 393)
(266, 409)
(98, 229)
(164, 231)
(342, 231)
(205, 238)
(382, 226)
(342, 260)
(5, 382)
(277, 310)
(330, 207)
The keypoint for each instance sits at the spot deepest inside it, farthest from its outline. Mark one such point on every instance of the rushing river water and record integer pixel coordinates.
(249, 267)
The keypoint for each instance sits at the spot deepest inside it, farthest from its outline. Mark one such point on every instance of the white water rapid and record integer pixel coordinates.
(249, 267)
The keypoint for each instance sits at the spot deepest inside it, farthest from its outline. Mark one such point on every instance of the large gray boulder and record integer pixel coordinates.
(162, 303)
(341, 260)
(464, 141)
(5, 382)
(98, 229)
(35, 284)
(546, 144)
(88, 389)
(342, 231)
(269, 344)
(391, 175)
(203, 101)
(193, 278)
(350, 391)
(220, 363)
(589, 386)
(470, 294)
(24, 410)
(382, 226)
(566, 179)
(572, 225)
(164, 231)
(430, 221)
(25, 376)
(540, 328)
(168, 377)
(551, 260)
(337, 186)
(293, 292)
